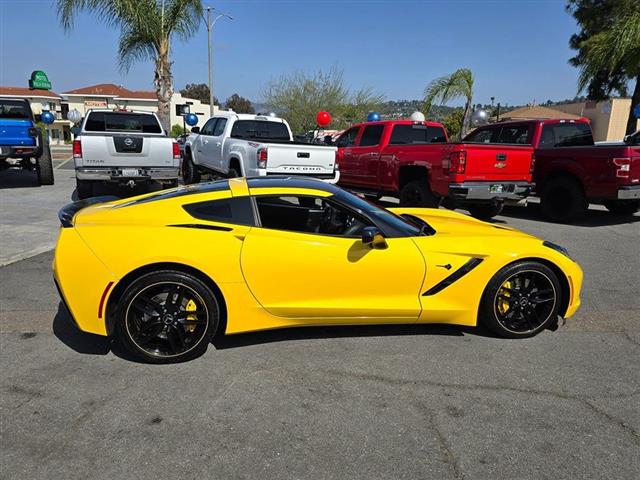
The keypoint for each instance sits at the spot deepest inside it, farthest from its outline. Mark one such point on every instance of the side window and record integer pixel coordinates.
(219, 128)
(436, 135)
(348, 138)
(209, 127)
(236, 210)
(480, 136)
(518, 135)
(306, 214)
(566, 135)
(95, 122)
(371, 135)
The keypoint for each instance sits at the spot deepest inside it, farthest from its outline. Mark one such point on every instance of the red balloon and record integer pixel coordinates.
(323, 119)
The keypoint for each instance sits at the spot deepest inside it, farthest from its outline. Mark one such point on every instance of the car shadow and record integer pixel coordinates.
(67, 332)
(18, 178)
(594, 218)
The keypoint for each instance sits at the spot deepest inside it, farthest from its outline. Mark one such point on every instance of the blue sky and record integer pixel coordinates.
(517, 49)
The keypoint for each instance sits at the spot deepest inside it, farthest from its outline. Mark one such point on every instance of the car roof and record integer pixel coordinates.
(288, 181)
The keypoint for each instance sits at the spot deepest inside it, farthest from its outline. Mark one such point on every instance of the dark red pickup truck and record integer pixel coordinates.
(415, 162)
(569, 170)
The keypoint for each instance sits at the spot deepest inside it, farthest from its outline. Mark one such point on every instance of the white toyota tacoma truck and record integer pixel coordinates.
(246, 145)
(123, 147)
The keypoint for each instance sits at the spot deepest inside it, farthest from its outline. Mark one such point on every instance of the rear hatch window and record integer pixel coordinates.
(416, 134)
(122, 123)
(260, 130)
(15, 109)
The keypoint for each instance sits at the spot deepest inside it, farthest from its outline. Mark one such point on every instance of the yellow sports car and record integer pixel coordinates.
(165, 271)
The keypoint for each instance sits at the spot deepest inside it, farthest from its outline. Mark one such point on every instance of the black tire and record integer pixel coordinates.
(485, 211)
(190, 173)
(521, 300)
(623, 207)
(563, 200)
(44, 167)
(233, 173)
(159, 304)
(84, 188)
(418, 194)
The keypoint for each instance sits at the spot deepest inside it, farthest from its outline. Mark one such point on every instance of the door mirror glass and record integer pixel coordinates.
(195, 129)
(372, 236)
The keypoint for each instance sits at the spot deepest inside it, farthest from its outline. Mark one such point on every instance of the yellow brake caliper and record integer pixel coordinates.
(191, 307)
(503, 305)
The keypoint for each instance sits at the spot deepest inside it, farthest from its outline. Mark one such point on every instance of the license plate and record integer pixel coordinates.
(495, 189)
(130, 172)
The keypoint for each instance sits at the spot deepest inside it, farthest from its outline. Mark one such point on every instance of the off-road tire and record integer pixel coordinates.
(190, 173)
(44, 167)
(418, 194)
(563, 200)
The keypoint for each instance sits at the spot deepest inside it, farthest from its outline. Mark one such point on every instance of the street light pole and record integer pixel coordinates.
(210, 25)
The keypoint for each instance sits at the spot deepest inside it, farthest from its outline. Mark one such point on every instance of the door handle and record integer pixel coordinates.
(205, 141)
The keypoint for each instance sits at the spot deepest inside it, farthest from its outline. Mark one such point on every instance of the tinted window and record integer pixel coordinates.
(566, 135)
(14, 109)
(237, 210)
(348, 138)
(209, 126)
(517, 135)
(482, 136)
(416, 134)
(219, 128)
(122, 122)
(260, 129)
(371, 135)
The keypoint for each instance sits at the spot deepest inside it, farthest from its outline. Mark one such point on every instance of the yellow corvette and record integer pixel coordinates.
(167, 270)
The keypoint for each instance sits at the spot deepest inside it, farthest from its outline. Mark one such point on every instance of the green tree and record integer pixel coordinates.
(177, 130)
(198, 91)
(300, 96)
(239, 104)
(147, 28)
(608, 48)
(459, 84)
(453, 122)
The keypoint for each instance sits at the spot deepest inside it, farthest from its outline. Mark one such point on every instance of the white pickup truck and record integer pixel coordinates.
(244, 145)
(123, 147)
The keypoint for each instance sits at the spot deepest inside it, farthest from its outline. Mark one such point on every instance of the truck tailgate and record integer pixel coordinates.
(15, 132)
(493, 162)
(126, 150)
(300, 159)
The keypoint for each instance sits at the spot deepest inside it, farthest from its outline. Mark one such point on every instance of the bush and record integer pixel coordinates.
(177, 130)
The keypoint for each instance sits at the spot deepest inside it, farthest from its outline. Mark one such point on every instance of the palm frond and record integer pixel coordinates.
(449, 87)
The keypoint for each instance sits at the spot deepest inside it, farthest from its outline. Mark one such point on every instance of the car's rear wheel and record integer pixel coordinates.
(624, 207)
(418, 194)
(167, 317)
(190, 173)
(521, 300)
(44, 167)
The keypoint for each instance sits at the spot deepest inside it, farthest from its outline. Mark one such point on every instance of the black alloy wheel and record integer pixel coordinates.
(167, 317)
(521, 300)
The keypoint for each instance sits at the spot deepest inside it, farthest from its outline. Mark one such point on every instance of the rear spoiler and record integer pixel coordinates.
(67, 212)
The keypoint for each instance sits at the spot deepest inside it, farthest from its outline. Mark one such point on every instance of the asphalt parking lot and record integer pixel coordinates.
(368, 402)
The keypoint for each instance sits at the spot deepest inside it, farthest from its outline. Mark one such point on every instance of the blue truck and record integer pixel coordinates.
(21, 142)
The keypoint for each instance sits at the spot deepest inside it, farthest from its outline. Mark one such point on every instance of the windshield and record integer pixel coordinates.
(260, 130)
(391, 224)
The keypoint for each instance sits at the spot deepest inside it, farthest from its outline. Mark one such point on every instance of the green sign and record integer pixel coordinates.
(39, 80)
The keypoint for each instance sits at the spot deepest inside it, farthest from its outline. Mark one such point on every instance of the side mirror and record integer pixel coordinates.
(195, 129)
(372, 236)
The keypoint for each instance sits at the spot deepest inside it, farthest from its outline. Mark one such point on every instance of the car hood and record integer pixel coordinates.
(449, 223)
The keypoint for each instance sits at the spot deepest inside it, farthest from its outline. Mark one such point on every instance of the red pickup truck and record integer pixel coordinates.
(415, 162)
(569, 169)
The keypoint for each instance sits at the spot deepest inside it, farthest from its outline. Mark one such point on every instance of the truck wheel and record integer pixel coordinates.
(44, 167)
(563, 200)
(485, 211)
(625, 207)
(84, 189)
(190, 173)
(418, 194)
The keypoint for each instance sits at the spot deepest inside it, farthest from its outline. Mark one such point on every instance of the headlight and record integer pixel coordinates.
(557, 248)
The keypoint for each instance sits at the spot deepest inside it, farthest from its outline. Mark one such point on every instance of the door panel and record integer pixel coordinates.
(319, 277)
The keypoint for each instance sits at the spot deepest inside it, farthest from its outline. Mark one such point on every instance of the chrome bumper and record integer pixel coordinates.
(116, 174)
(490, 190)
(631, 192)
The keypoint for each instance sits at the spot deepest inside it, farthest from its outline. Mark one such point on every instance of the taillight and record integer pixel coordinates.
(77, 149)
(458, 161)
(623, 167)
(262, 156)
(176, 150)
(533, 163)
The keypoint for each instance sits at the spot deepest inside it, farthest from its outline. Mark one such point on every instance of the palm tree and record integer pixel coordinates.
(146, 30)
(614, 49)
(458, 84)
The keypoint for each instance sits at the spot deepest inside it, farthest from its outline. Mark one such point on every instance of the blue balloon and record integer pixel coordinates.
(47, 117)
(191, 119)
(373, 117)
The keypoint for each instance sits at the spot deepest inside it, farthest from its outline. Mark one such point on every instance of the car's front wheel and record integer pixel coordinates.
(167, 316)
(521, 300)
(190, 173)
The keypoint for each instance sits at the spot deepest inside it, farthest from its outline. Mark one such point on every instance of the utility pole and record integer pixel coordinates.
(210, 25)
